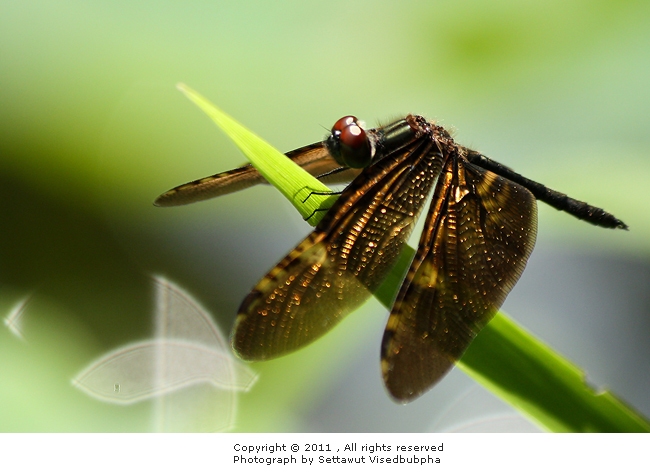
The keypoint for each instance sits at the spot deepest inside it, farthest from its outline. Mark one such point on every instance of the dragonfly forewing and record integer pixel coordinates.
(343, 261)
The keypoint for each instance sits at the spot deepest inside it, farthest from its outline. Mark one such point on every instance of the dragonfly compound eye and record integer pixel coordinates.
(342, 123)
(349, 143)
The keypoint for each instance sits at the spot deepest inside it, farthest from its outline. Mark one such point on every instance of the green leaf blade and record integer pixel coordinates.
(307, 194)
(541, 383)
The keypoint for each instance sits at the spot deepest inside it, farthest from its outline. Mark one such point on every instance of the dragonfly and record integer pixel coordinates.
(478, 234)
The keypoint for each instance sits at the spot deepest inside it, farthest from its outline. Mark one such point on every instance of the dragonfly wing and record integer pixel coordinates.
(347, 256)
(479, 233)
(314, 158)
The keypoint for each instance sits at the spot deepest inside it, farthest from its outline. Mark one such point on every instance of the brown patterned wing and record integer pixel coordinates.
(479, 233)
(313, 158)
(338, 265)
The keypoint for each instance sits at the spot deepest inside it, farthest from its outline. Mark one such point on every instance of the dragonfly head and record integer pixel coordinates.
(349, 144)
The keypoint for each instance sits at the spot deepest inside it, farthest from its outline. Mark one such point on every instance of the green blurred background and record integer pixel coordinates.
(93, 129)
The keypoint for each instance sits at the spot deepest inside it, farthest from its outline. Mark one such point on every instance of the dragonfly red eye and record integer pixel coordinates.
(343, 122)
(349, 144)
(353, 136)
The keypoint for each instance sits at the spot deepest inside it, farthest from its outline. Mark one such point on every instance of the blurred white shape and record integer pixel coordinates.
(505, 423)
(14, 320)
(478, 410)
(178, 316)
(189, 353)
(151, 368)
